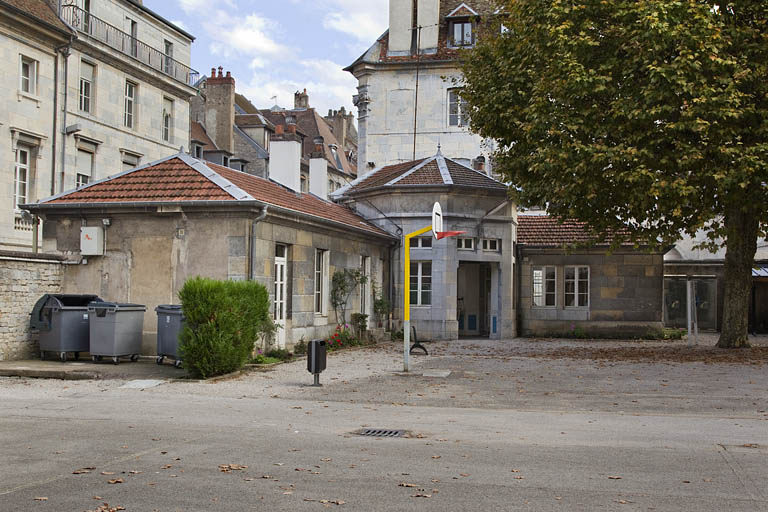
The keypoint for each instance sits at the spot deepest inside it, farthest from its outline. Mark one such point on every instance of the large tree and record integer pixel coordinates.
(650, 115)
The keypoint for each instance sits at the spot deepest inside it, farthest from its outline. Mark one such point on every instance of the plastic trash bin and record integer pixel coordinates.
(62, 321)
(116, 330)
(170, 322)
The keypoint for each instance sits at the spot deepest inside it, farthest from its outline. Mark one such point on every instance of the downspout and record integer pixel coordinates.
(250, 238)
(65, 53)
(516, 292)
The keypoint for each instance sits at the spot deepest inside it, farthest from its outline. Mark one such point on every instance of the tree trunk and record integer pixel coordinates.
(741, 240)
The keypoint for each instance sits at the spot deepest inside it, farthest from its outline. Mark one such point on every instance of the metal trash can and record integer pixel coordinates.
(62, 321)
(316, 357)
(170, 322)
(116, 330)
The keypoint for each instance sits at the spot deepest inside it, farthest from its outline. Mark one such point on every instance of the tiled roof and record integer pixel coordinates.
(312, 124)
(197, 132)
(436, 171)
(40, 10)
(546, 231)
(183, 178)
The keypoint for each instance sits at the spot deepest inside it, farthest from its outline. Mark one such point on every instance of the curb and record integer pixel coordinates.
(51, 374)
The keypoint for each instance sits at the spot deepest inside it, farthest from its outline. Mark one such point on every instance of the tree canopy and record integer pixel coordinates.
(650, 116)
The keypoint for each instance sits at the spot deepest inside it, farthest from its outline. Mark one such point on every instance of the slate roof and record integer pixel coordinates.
(546, 231)
(39, 10)
(181, 178)
(433, 171)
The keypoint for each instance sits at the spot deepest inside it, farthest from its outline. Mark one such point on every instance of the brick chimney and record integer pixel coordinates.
(220, 109)
(301, 100)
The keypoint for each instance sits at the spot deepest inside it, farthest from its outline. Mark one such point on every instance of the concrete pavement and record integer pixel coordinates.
(536, 447)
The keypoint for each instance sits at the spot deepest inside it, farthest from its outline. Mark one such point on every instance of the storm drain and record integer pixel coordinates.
(380, 432)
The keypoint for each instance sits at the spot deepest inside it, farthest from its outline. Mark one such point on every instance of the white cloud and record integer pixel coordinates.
(199, 6)
(253, 35)
(365, 20)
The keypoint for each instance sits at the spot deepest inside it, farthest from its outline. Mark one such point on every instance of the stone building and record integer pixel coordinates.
(180, 217)
(118, 81)
(585, 290)
(459, 286)
(411, 75)
(344, 128)
(32, 38)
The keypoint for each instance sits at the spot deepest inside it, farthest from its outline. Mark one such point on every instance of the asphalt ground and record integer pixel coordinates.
(516, 425)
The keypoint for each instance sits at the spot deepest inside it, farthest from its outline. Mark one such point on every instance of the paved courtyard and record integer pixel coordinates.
(500, 425)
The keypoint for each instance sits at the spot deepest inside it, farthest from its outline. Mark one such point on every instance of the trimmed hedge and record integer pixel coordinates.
(224, 319)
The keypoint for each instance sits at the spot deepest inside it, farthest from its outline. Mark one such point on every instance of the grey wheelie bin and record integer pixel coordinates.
(116, 330)
(170, 322)
(63, 324)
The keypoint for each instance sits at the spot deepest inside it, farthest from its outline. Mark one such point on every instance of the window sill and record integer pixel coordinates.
(543, 307)
(25, 95)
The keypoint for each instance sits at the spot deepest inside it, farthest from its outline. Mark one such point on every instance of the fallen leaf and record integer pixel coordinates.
(614, 478)
(228, 468)
(40, 498)
(403, 484)
(116, 481)
(105, 473)
(82, 471)
(465, 475)
(437, 456)
(421, 495)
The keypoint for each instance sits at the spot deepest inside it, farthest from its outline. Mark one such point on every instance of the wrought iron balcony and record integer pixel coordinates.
(125, 43)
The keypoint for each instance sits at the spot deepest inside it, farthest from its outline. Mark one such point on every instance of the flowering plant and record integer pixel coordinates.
(341, 337)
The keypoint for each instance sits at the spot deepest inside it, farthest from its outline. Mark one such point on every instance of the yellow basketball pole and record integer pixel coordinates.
(407, 298)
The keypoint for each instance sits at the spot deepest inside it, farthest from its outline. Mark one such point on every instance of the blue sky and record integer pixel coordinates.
(275, 47)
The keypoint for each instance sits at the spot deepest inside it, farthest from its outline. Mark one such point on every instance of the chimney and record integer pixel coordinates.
(301, 100)
(318, 169)
(285, 155)
(480, 164)
(428, 17)
(220, 109)
(400, 27)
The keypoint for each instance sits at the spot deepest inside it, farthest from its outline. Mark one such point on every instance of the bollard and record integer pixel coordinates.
(316, 356)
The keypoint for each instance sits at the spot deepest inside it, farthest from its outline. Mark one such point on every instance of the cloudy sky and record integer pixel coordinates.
(274, 48)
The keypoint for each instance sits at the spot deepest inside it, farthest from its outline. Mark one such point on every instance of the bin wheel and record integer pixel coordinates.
(96, 358)
(160, 359)
(135, 357)
(177, 363)
(77, 356)
(116, 359)
(63, 357)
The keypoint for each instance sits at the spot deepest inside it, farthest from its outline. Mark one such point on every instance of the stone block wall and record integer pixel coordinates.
(24, 278)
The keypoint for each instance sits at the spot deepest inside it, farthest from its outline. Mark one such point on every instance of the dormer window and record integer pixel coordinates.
(462, 35)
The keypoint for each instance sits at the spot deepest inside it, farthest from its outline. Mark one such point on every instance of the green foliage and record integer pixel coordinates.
(279, 353)
(646, 117)
(577, 332)
(262, 359)
(343, 284)
(341, 338)
(300, 348)
(380, 304)
(359, 324)
(224, 319)
(673, 334)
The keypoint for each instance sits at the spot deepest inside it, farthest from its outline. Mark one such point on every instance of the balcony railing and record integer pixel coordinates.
(126, 44)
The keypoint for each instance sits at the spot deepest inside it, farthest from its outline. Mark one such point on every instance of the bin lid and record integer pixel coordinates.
(118, 306)
(168, 308)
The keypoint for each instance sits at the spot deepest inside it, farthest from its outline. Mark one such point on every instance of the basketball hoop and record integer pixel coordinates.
(448, 234)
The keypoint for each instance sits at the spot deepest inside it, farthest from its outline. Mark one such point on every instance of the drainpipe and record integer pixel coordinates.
(66, 52)
(250, 238)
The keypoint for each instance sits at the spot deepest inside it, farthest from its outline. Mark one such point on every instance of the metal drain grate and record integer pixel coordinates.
(380, 432)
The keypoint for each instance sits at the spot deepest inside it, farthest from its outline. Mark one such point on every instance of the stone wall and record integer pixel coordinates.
(24, 278)
(625, 293)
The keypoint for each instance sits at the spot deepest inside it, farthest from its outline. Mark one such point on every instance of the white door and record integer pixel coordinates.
(279, 305)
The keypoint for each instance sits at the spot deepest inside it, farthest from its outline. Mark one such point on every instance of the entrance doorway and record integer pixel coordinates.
(279, 301)
(474, 299)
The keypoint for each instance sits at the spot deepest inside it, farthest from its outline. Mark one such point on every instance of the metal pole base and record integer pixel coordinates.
(317, 381)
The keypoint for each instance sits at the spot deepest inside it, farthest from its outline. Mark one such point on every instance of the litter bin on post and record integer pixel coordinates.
(116, 330)
(316, 357)
(170, 322)
(62, 321)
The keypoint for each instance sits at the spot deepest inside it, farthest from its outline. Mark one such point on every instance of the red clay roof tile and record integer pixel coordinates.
(546, 231)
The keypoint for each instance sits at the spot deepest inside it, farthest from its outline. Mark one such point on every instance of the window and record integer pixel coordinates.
(198, 151)
(422, 243)
(130, 105)
(168, 59)
(576, 287)
(491, 244)
(87, 74)
(303, 183)
(421, 283)
(28, 75)
(321, 277)
(457, 109)
(461, 34)
(330, 186)
(544, 286)
(167, 119)
(84, 167)
(130, 160)
(21, 178)
(133, 42)
(465, 244)
(225, 159)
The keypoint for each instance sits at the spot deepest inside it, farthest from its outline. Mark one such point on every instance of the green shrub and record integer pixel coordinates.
(300, 348)
(359, 324)
(224, 320)
(278, 353)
